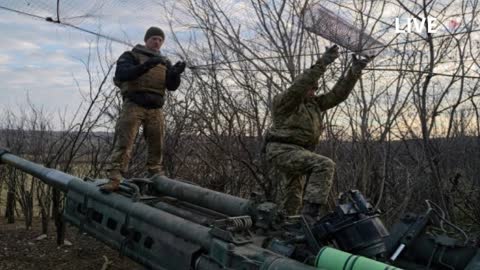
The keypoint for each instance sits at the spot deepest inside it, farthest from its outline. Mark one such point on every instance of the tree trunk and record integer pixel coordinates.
(44, 202)
(28, 210)
(44, 214)
(58, 218)
(2, 180)
(44, 219)
(10, 208)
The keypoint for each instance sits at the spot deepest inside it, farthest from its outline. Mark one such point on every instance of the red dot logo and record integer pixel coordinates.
(453, 24)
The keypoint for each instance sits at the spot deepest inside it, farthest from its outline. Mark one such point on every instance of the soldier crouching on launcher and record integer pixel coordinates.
(296, 127)
(143, 75)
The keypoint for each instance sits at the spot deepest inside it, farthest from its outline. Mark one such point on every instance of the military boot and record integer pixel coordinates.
(111, 186)
(114, 183)
(322, 210)
(314, 211)
(152, 173)
(310, 209)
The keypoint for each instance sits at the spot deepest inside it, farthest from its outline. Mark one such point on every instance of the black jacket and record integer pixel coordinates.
(128, 68)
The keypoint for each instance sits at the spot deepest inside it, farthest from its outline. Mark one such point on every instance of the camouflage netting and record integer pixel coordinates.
(108, 18)
(112, 19)
(327, 24)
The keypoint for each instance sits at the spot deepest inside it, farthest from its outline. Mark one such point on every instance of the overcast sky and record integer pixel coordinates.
(44, 60)
(40, 60)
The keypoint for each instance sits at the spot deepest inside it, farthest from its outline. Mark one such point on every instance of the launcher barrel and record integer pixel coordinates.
(210, 199)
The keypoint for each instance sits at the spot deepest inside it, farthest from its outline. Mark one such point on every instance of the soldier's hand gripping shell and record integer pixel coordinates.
(331, 53)
(360, 62)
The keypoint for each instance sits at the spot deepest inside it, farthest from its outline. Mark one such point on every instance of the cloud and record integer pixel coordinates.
(4, 59)
(43, 60)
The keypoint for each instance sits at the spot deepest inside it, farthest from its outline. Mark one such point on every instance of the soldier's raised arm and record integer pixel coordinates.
(344, 86)
(293, 96)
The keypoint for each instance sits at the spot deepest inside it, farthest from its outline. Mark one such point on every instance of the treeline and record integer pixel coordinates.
(235, 165)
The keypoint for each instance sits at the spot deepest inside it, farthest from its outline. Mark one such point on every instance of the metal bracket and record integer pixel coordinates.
(136, 187)
(237, 238)
(234, 224)
(132, 189)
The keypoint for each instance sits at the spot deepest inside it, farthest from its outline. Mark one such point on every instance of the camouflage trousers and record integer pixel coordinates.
(132, 116)
(295, 163)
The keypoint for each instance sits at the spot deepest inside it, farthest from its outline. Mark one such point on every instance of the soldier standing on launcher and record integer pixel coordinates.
(143, 75)
(296, 127)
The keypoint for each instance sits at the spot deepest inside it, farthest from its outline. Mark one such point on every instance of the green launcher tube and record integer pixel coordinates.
(333, 259)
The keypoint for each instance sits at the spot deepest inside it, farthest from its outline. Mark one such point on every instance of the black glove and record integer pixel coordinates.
(358, 64)
(331, 53)
(153, 61)
(179, 67)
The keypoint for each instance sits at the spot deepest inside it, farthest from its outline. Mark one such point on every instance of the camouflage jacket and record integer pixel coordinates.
(297, 119)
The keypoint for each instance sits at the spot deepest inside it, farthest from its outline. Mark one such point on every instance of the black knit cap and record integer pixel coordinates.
(154, 31)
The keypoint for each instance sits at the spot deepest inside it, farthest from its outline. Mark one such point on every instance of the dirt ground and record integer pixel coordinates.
(20, 249)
